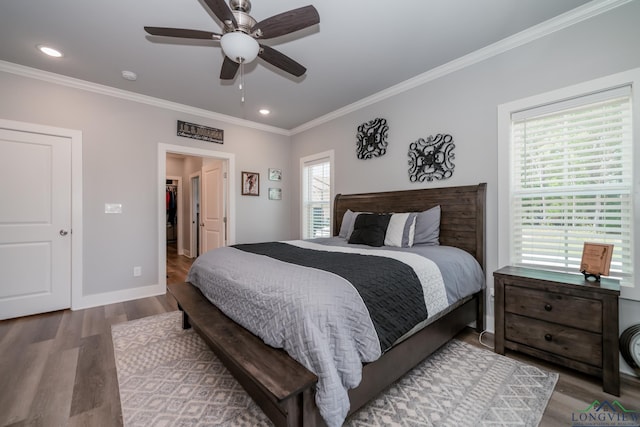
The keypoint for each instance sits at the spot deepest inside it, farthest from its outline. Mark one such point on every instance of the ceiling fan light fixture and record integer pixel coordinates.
(240, 47)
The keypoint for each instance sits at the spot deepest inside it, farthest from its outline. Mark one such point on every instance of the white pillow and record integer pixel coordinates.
(401, 230)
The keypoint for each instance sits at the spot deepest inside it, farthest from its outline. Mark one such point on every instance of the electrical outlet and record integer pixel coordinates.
(137, 271)
(492, 292)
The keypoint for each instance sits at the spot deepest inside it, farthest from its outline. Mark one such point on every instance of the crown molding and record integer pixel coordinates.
(59, 79)
(579, 14)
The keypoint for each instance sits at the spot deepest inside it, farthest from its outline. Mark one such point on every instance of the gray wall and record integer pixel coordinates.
(120, 157)
(464, 104)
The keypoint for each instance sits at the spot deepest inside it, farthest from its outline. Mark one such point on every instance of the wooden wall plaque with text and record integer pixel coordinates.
(596, 259)
(202, 133)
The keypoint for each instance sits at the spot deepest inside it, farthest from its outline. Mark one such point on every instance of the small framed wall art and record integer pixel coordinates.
(275, 193)
(275, 174)
(250, 184)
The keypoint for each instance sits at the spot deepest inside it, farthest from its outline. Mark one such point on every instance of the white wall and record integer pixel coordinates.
(464, 104)
(120, 165)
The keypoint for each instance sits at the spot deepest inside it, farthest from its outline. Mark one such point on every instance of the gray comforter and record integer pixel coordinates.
(318, 317)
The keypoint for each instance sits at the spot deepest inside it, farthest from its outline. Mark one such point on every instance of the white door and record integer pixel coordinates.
(212, 206)
(35, 223)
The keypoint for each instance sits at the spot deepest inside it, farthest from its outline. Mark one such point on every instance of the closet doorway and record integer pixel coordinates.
(173, 194)
(188, 226)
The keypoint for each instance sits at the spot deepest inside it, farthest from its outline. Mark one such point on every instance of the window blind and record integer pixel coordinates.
(572, 182)
(317, 199)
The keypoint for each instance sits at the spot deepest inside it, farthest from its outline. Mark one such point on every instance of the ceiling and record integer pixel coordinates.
(360, 47)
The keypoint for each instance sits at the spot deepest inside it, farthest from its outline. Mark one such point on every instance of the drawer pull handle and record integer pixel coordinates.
(548, 337)
(548, 307)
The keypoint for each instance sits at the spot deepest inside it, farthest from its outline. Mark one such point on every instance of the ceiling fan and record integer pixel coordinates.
(241, 32)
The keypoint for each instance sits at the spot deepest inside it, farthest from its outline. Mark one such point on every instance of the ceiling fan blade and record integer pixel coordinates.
(287, 22)
(222, 11)
(229, 69)
(281, 61)
(182, 33)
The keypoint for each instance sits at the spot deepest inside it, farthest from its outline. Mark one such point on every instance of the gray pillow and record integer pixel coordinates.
(428, 227)
(347, 224)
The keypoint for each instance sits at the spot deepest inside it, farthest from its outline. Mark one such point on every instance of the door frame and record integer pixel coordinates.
(163, 150)
(75, 136)
(194, 229)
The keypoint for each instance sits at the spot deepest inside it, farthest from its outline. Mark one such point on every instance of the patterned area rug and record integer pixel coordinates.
(169, 377)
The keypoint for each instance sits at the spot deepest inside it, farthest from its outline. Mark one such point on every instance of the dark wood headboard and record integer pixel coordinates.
(462, 222)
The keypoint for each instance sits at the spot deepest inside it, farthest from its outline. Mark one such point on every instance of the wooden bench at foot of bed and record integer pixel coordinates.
(281, 386)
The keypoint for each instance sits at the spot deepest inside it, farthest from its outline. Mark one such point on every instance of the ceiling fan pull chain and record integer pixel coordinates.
(242, 79)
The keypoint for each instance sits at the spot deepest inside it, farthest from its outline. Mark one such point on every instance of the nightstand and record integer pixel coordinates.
(561, 318)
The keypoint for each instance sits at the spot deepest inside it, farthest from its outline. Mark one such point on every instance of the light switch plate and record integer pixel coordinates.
(113, 208)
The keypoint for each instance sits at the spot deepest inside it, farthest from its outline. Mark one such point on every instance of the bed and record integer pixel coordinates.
(282, 386)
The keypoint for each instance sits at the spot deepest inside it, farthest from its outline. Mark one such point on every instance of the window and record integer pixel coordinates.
(317, 193)
(569, 180)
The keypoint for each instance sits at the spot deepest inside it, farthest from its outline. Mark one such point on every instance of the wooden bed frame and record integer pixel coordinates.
(282, 387)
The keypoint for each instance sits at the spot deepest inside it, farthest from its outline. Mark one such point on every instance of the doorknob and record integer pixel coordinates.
(63, 232)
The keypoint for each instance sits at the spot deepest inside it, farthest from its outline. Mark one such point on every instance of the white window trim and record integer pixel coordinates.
(312, 158)
(631, 77)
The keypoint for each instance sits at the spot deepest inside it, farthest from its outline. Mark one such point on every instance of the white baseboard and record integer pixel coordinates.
(489, 324)
(95, 300)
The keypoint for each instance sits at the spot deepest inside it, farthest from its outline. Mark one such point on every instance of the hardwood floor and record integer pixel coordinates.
(177, 265)
(58, 369)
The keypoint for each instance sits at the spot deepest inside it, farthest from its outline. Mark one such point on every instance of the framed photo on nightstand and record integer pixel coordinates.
(596, 260)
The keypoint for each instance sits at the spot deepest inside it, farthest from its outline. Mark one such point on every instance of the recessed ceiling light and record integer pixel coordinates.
(264, 111)
(129, 75)
(49, 51)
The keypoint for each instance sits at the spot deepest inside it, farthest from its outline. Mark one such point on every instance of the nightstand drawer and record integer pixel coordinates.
(581, 313)
(561, 340)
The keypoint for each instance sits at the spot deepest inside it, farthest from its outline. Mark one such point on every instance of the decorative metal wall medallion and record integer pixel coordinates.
(431, 159)
(372, 139)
